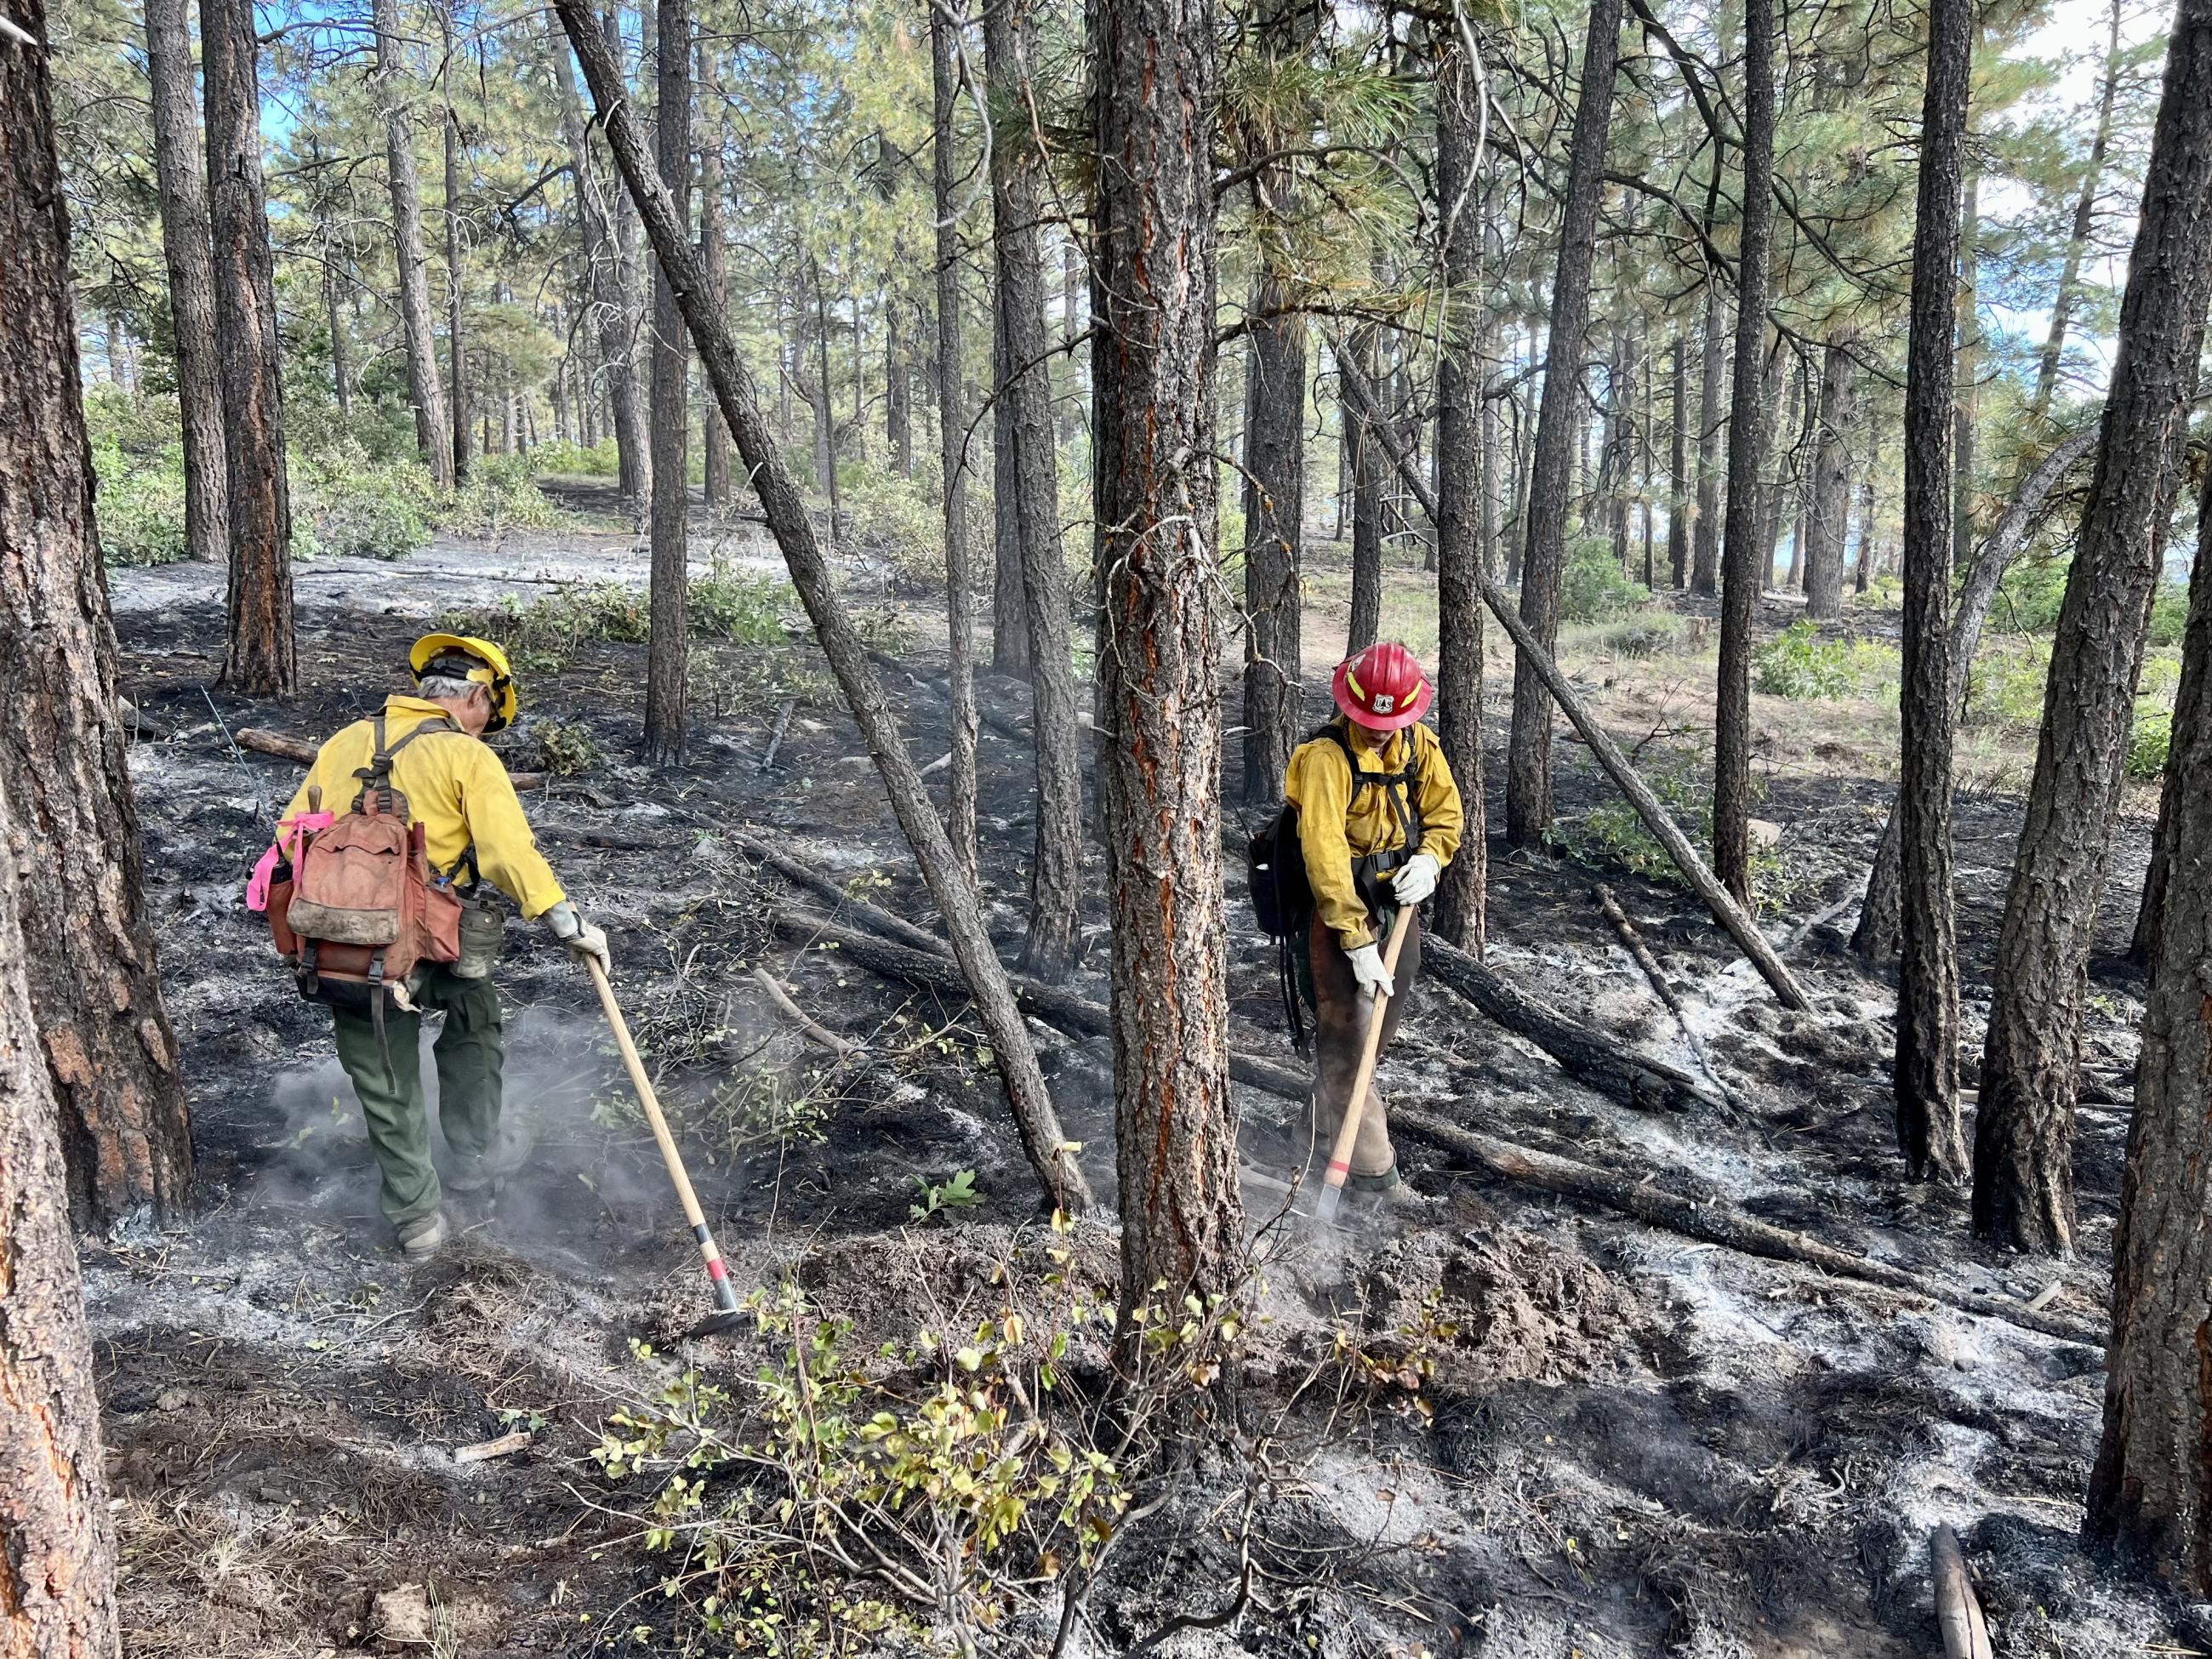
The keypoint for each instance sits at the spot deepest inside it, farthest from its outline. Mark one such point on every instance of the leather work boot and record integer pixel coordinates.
(420, 1240)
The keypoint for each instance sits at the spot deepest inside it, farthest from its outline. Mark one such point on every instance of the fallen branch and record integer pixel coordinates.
(1714, 1222)
(485, 1451)
(1632, 1079)
(1721, 903)
(300, 752)
(775, 737)
(1649, 964)
(843, 1047)
(934, 971)
(801, 875)
(1957, 1613)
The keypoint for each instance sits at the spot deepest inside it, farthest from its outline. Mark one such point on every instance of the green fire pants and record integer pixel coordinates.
(387, 1075)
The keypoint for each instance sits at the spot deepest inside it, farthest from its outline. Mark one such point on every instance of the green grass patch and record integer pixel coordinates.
(1799, 664)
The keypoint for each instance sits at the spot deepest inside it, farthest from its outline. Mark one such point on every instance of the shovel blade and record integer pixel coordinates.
(715, 1324)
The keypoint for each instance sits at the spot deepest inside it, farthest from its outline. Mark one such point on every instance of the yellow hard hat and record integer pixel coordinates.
(491, 670)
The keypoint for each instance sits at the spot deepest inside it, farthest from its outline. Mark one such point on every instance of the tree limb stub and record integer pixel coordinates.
(1723, 904)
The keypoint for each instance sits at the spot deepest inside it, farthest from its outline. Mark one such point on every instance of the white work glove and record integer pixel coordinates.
(1416, 878)
(581, 936)
(1368, 970)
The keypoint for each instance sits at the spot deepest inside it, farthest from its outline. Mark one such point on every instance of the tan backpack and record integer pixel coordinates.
(364, 908)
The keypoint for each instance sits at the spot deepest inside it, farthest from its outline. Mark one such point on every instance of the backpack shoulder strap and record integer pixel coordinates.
(377, 775)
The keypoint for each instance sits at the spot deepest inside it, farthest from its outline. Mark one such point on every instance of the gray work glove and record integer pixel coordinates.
(582, 938)
(1367, 970)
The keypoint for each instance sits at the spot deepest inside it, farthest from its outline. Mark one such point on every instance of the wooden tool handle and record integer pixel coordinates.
(1339, 1156)
(647, 1098)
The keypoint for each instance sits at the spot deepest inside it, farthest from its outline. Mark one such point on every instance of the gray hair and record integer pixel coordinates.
(439, 687)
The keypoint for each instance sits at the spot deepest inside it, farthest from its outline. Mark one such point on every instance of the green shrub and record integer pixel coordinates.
(562, 457)
(563, 748)
(729, 603)
(1612, 834)
(1592, 588)
(2149, 741)
(2169, 612)
(138, 460)
(541, 635)
(892, 519)
(1644, 637)
(501, 492)
(2005, 685)
(346, 502)
(1799, 663)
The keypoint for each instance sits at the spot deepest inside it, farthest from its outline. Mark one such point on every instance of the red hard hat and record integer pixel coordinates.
(1383, 687)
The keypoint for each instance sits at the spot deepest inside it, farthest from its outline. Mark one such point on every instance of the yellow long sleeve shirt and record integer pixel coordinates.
(1333, 830)
(456, 788)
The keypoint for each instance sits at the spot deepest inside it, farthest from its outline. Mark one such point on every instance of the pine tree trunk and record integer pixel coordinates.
(1174, 1119)
(1458, 916)
(1712, 420)
(73, 882)
(1528, 760)
(1744, 548)
(1010, 628)
(1832, 481)
(1863, 566)
(1042, 1140)
(1967, 393)
(1925, 1075)
(57, 1539)
(1367, 484)
(1025, 392)
(602, 257)
(1275, 449)
(2023, 1140)
(456, 356)
(1681, 496)
(424, 396)
(181, 184)
(899, 408)
(341, 353)
(952, 433)
(2085, 219)
(261, 659)
(2150, 1493)
(669, 646)
(714, 266)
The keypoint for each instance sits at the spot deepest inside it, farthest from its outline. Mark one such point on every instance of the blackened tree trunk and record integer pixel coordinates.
(953, 433)
(1275, 441)
(1010, 628)
(457, 355)
(1049, 1152)
(74, 885)
(2085, 219)
(1712, 420)
(1030, 470)
(1681, 495)
(1152, 374)
(669, 646)
(1528, 761)
(1746, 549)
(2150, 1493)
(180, 183)
(1832, 481)
(1367, 483)
(714, 266)
(609, 306)
(2024, 1134)
(2150, 912)
(262, 656)
(1925, 1075)
(1458, 917)
(418, 334)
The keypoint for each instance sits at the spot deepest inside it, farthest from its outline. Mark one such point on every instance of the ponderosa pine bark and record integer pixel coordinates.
(2031, 1065)
(1967, 394)
(1046, 1147)
(74, 885)
(1458, 916)
(1528, 759)
(180, 185)
(457, 352)
(1028, 474)
(608, 303)
(1274, 440)
(261, 658)
(57, 1539)
(1152, 376)
(714, 266)
(1367, 474)
(2085, 219)
(1925, 1073)
(1681, 495)
(952, 446)
(2143, 946)
(1826, 521)
(2150, 1492)
(1712, 422)
(668, 647)
(1747, 552)
(418, 334)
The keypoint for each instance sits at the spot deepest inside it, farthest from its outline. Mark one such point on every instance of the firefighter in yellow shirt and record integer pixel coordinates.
(473, 828)
(1379, 816)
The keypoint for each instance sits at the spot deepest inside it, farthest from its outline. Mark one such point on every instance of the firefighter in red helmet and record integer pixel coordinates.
(1378, 819)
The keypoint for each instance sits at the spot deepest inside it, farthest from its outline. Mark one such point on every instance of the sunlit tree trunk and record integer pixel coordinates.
(424, 396)
(952, 434)
(1832, 481)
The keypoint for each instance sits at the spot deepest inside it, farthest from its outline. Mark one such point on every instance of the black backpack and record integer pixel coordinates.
(1275, 868)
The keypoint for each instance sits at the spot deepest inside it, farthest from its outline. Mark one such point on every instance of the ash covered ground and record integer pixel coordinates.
(1531, 1429)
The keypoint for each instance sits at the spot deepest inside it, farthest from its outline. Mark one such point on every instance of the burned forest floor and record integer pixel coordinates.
(1523, 1428)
